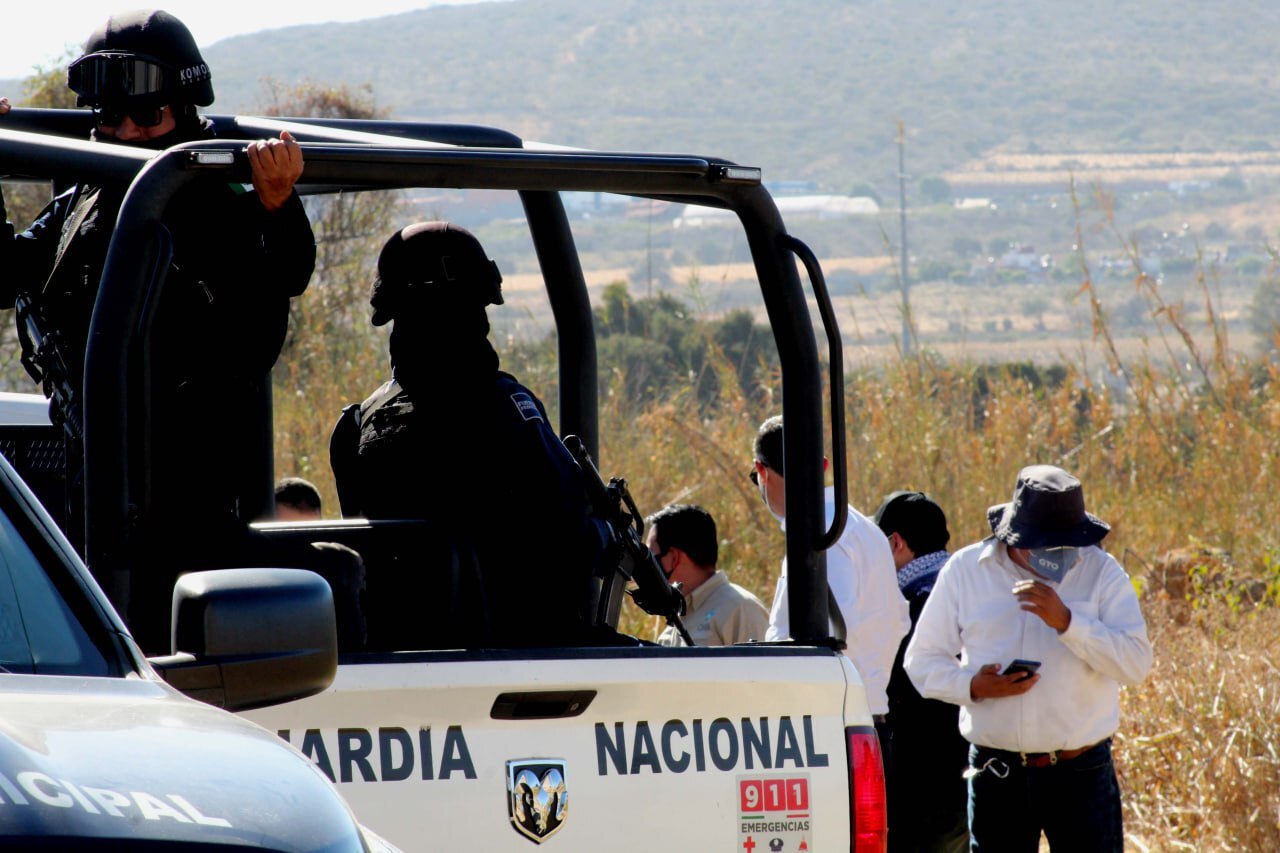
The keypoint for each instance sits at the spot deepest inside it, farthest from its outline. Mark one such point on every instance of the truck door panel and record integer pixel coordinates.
(661, 752)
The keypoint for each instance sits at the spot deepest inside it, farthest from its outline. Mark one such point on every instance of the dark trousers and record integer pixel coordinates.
(926, 789)
(884, 733)
(1076, 803)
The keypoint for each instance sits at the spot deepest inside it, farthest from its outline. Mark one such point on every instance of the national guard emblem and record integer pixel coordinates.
(537, 798)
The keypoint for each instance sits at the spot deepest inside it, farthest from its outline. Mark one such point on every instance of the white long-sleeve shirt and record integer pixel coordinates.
(863, 579)
(974, 614)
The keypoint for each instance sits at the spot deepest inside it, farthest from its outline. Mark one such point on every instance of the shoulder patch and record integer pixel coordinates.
(526, 407)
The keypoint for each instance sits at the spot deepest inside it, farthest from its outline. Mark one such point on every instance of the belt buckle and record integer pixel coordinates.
(1037, 759)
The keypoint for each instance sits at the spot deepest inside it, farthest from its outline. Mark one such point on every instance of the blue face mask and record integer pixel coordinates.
(1053, 563)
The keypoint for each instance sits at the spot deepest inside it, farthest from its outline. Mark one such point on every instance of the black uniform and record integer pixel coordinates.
(453, 441)
(219, 326)
(927, 795)
(218, 329)
(511, 545)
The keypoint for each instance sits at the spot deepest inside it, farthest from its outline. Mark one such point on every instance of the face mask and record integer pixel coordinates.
(764, 496)
(769, 506)
(657, 558)
(1053, 563)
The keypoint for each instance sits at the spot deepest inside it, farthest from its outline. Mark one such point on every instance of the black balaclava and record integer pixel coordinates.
(443, 344)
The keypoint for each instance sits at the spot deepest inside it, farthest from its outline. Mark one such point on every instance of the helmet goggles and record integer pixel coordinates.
(112, 76)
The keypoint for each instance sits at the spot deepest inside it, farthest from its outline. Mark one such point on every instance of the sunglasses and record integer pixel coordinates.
(754, 475)
(141, 116)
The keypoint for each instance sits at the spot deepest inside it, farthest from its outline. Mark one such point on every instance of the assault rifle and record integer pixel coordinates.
(44, 359)
(612, 502)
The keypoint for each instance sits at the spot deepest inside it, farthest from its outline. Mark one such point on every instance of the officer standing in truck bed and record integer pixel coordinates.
(454, 441)
(218, 325)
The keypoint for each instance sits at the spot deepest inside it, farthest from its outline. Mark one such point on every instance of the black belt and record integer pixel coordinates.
(1040, 759)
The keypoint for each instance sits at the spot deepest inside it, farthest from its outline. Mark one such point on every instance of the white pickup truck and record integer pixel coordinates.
(617, 745)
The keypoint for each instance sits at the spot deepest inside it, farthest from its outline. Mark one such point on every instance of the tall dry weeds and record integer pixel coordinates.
(1199, 747)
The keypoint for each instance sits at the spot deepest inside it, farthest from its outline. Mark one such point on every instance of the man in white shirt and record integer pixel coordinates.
(1040, 593)
(717, 612)
(860, 573)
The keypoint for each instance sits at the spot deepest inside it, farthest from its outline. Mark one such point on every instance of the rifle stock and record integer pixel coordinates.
(612, 502)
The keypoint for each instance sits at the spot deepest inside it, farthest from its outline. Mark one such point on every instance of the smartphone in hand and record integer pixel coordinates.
(1027, 667)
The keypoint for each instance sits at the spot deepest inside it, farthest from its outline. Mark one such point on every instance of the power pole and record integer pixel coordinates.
(902, 212)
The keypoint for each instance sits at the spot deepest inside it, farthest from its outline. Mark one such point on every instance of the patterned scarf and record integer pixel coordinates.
(921, 569)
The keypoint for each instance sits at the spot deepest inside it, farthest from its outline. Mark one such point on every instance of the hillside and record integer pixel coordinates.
(808, 89)
(1167, 104)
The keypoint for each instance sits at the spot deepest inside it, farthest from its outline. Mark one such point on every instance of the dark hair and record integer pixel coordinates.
(299, 493)
(917, 518)
(688, 527)
(768, 444)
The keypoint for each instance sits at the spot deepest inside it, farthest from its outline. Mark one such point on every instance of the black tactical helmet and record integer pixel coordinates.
(432, 253)
(147, 54)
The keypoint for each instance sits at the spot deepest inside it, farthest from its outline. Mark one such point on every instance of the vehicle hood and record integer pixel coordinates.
(128, 758)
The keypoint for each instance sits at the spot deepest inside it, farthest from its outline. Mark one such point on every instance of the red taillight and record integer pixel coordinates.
(866, 791)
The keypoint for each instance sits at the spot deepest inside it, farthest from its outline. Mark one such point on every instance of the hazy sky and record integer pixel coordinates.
(35, 32)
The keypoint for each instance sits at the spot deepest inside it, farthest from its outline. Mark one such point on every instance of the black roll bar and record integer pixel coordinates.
(835, 369)
(538, 176)
(786, 306)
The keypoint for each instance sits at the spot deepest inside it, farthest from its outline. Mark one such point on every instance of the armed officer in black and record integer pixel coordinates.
(453, 441)
(238, 258)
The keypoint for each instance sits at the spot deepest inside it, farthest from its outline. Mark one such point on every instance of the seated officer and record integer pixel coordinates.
(452, 440)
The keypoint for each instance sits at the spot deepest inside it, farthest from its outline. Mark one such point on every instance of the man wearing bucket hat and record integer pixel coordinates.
(454, 441)
(1031, 632)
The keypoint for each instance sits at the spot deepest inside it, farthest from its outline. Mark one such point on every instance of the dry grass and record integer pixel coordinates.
(1199, 749)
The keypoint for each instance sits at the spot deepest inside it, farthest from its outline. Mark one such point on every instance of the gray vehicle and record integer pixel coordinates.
(100, 751)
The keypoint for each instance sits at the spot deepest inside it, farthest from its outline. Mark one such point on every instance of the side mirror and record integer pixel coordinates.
(246, 638)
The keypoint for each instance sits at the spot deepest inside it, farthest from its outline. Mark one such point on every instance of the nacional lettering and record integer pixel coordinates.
(32, 788)
(722, 744)
(391, 754)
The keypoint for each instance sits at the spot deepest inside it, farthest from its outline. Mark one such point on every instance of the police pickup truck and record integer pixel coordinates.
(619, 745)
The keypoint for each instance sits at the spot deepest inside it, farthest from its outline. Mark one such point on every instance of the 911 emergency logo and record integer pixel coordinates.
(537, 798)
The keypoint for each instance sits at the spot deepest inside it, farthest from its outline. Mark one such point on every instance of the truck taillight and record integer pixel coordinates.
(866, 791)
